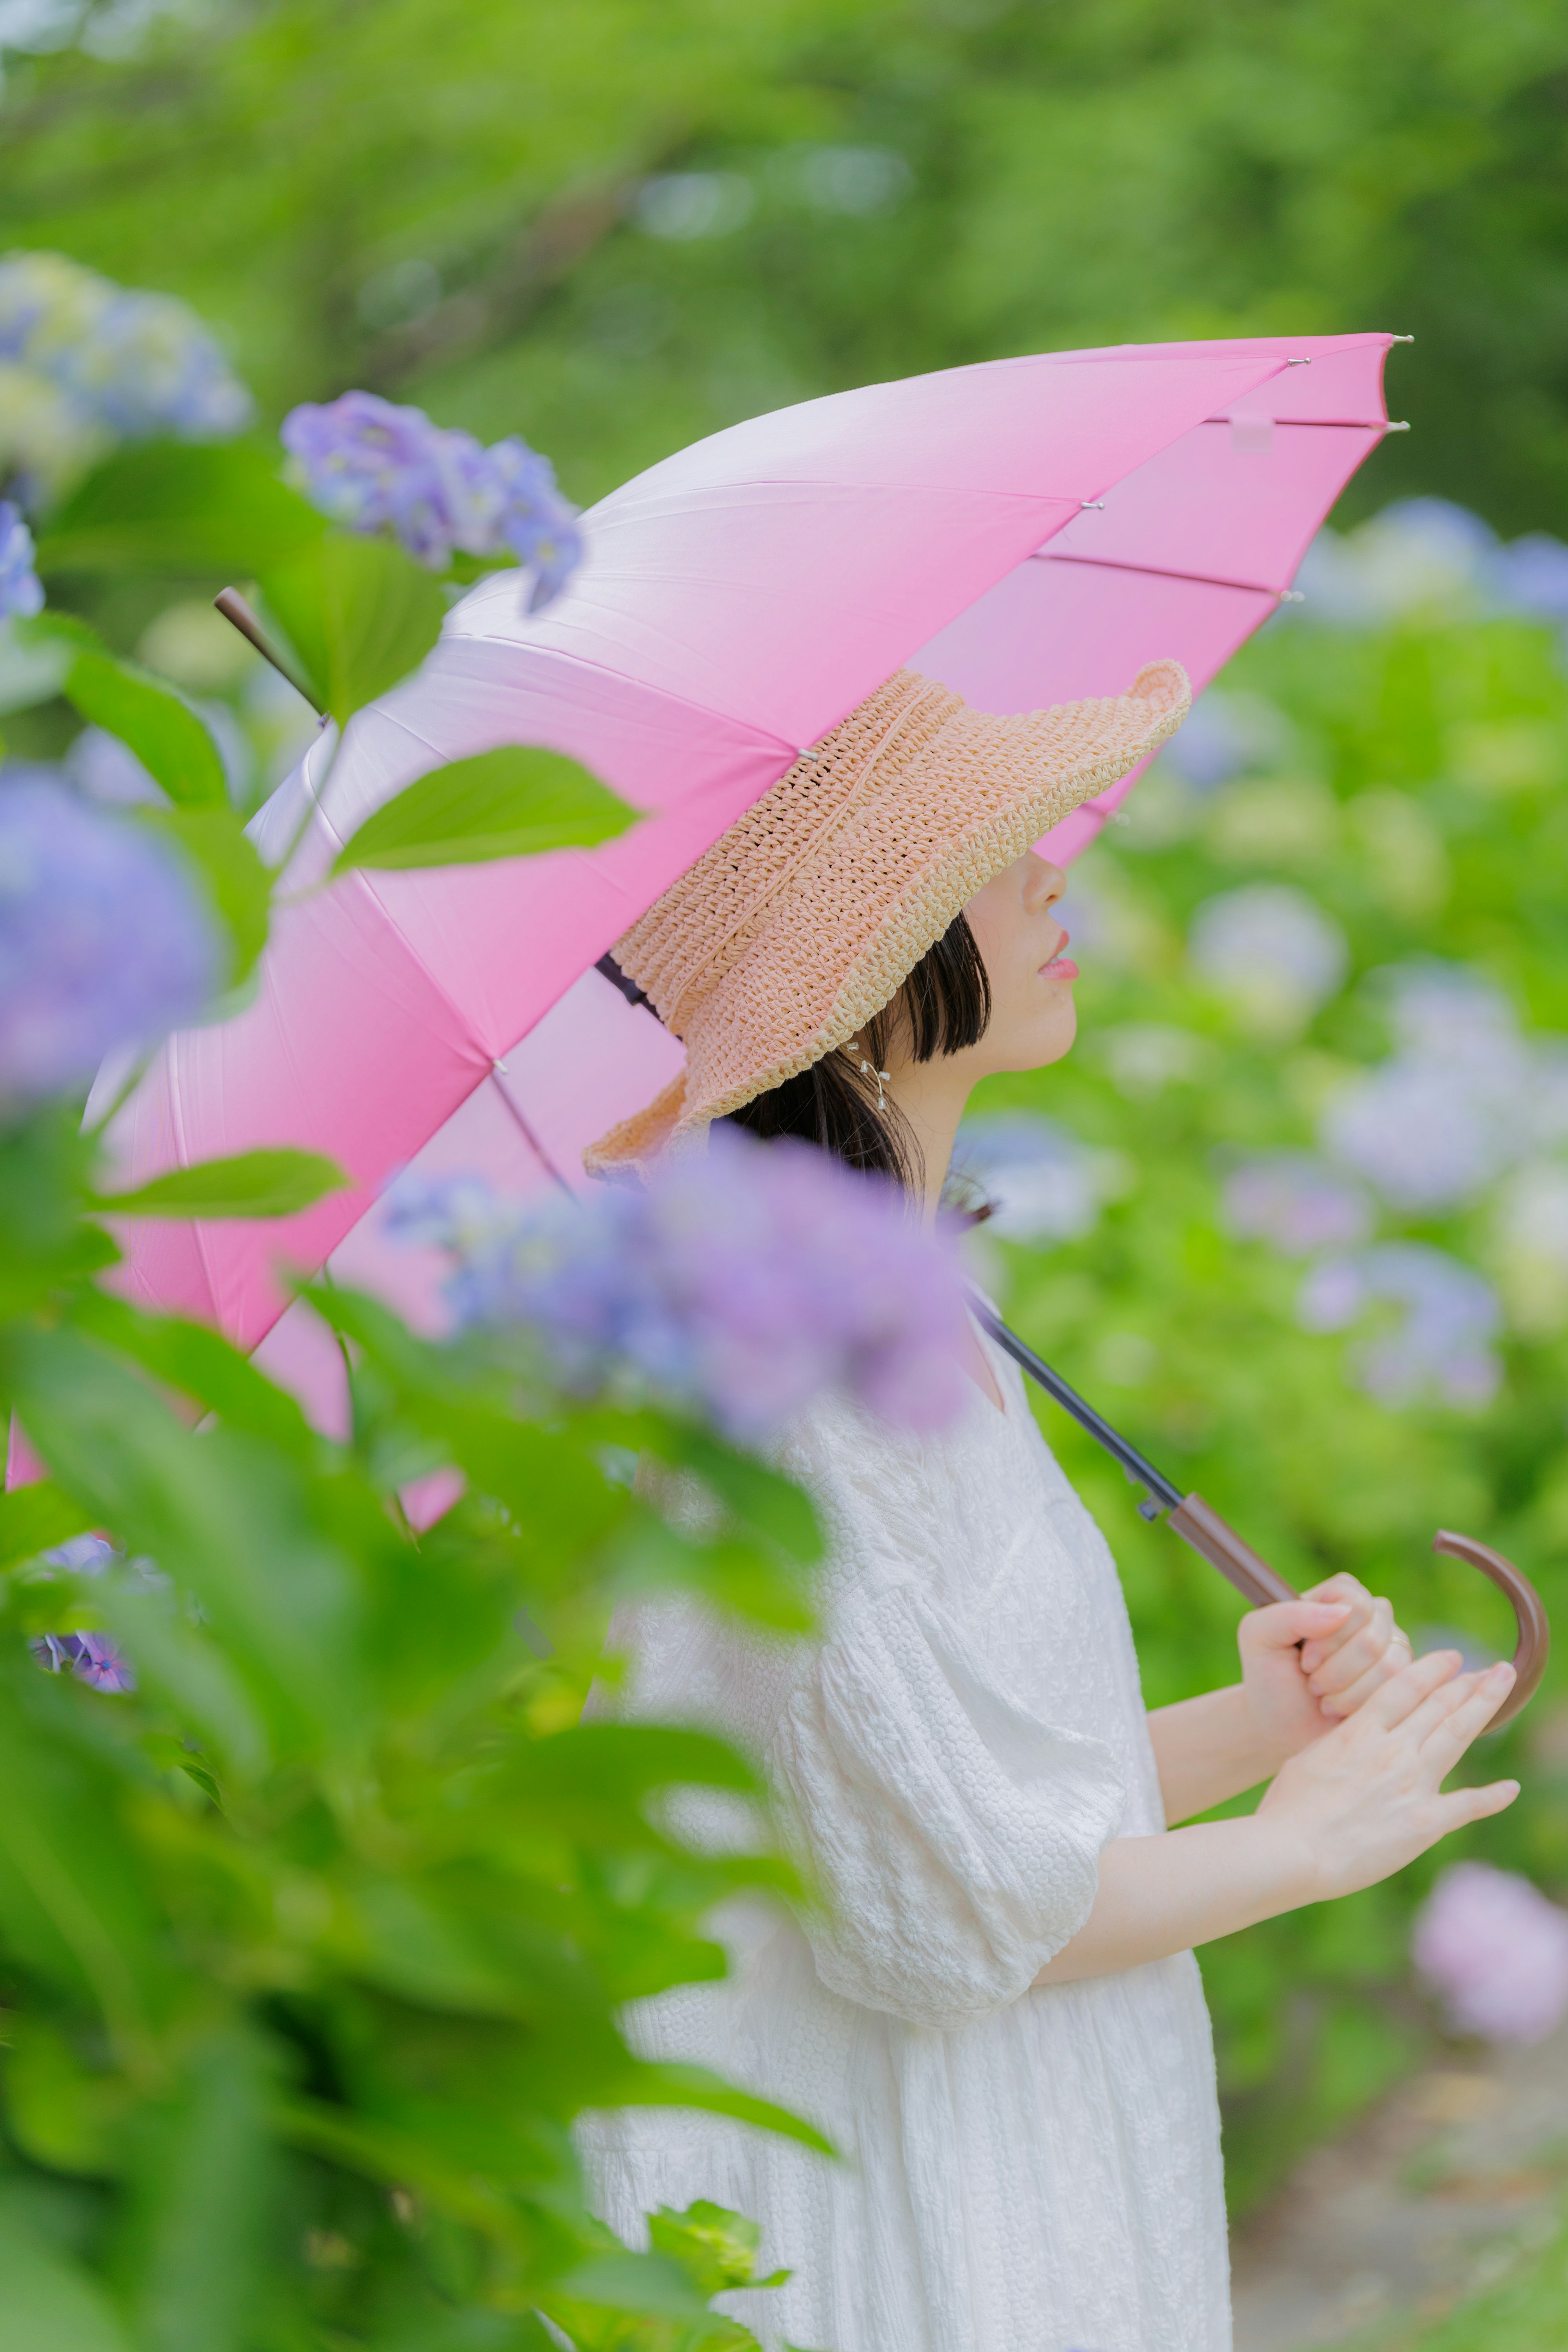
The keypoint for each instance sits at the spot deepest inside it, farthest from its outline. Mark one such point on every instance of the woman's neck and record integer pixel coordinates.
(930, 1096)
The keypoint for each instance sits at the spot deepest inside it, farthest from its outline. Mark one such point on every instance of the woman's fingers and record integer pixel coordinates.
(1354, 1654)
(1282, 1624)
(1448, 1722)
(1460, 1807)
(1397, 1699)
(1393, 1661)
(1353, 1596)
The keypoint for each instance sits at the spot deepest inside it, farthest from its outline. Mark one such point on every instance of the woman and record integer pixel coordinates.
(994, 2014)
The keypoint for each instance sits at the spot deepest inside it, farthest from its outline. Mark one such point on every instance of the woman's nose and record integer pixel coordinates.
(1043, 883)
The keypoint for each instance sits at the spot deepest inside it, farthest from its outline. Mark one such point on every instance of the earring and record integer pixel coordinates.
(852, 1046)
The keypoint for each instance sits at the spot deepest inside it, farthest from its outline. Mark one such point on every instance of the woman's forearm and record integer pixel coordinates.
(1208, 1750)
(1164, 1894)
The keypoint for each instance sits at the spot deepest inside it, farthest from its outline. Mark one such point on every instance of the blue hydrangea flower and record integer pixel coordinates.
(103, 941)
(21, 594)
(149, 366)
(90, 1657)
(89, 364)
(372, 465)
(739, 1283)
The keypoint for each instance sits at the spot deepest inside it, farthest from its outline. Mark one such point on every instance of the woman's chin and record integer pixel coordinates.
(1048, 1039)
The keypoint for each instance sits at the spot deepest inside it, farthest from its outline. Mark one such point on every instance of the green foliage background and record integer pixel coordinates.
(1080, 172)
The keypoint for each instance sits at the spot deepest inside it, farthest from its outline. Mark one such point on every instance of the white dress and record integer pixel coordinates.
(1023, 2169)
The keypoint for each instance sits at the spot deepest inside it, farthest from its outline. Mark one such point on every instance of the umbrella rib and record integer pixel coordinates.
(1154, 571)
(1310, 424)
(532, 1140)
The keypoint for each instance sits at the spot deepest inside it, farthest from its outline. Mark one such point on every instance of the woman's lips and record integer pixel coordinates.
(1061, 966)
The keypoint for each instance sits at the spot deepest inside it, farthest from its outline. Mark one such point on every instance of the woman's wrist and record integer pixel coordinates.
(1210, 1748)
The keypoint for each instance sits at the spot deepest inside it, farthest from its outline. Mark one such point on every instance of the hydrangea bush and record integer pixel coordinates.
(1324, 1037)
(318, 1902)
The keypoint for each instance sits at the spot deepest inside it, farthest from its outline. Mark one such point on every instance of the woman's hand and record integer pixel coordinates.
(1367, 1797)
(1356, 1804)
(1350, 1647)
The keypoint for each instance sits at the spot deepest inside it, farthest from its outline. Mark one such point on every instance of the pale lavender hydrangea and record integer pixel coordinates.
(21, 593)
(1443, 1342)
(1269, 945)
(1223, 734)
(1429, 554)
(740, 1282)
(103, 941)
(1496, 1950)
(1042, 1184)
(1295, 1202)
(1463, 1097)
(372, 465)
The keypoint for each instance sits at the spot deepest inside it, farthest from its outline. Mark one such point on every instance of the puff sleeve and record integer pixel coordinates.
(955, 1837)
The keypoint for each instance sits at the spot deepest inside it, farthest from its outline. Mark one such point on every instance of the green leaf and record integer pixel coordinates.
(164, 733)
(629, 2281)
(276, 1183)
(512, 803)
(675, 2084)
(50, 2304)
(33, 666)
(74, 1903)
(195, 1358)
(63, 2113)
(717, 2249)
(34, 1518)
(237, 884)
(202, 2179)
(358, 615)
(176, 506)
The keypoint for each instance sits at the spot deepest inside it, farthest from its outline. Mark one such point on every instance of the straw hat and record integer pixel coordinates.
(806, 917)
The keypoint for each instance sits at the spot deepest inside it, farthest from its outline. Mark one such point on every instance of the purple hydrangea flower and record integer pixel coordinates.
(1496, 1950)
(372, 465)
(1451, 1316)
(21, 591)
(90, 1657)
(103, 941)
(741, 1282)
(1297, 1202)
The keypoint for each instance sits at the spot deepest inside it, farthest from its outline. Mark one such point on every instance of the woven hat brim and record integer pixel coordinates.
(731, 1056)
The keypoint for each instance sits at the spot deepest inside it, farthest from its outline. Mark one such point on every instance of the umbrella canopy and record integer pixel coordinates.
(1028, 532)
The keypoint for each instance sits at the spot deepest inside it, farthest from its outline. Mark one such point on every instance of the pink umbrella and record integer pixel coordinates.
(1028, 532)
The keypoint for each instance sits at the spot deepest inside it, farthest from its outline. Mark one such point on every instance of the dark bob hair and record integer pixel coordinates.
(944, 1005)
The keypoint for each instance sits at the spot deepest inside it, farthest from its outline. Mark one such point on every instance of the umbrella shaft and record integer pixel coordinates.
(1164, 1496)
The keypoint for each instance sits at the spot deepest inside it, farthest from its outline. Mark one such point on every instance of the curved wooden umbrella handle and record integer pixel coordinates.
(1535, 1633)
(1198, 1523)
